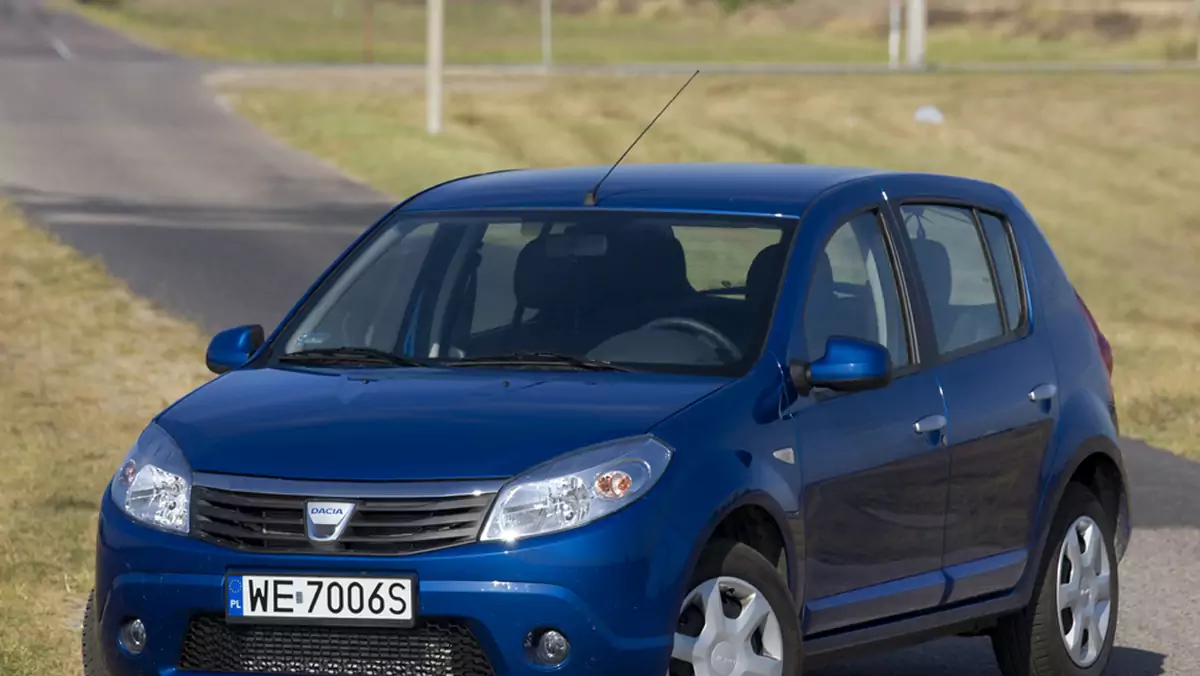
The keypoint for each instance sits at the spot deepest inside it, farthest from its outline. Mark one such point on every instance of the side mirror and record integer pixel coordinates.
(849, 365)
(232, 348)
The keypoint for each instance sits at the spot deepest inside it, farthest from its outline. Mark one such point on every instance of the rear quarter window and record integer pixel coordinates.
(1000, 244)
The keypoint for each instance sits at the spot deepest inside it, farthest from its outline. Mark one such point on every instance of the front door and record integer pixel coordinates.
(874, 465)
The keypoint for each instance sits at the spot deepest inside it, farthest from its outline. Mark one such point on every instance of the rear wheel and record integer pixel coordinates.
(93, 661)
(738, 619)
(1069, 627)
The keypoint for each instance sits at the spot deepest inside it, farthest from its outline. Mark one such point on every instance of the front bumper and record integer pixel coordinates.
(611, 587)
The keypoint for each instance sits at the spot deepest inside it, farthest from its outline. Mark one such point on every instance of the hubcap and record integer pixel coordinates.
(727, 628)
(1084, 592)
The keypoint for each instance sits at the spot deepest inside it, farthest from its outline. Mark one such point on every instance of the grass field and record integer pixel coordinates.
(508, 32)
(1106, 163)
(83, 366)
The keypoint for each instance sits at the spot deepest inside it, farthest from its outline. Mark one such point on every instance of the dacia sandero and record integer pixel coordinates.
(702, 420)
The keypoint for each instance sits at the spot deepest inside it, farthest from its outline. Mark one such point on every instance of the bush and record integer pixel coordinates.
(731, 6)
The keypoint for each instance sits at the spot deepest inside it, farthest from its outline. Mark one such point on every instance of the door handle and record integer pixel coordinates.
(1043, 392)
(930, 423)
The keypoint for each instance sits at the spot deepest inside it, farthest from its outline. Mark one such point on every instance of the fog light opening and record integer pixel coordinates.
(133, 636)
(550, 647)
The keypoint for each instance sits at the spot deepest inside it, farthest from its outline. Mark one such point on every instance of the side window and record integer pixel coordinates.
(853, 291)
(361, 309)
(956, 275)
(1005, 260)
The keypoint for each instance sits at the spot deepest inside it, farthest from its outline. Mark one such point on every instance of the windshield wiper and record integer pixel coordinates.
(350, 355)
(537, 359)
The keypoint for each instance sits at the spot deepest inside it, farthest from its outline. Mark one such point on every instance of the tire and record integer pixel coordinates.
(740, 569)
(1030, 642)
(93, 660)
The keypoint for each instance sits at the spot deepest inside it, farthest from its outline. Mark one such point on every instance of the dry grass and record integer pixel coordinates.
(608, 31)
(83, 366)
(1106, 163)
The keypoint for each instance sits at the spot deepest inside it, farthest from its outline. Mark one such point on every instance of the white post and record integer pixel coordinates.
(894, 12)
(547, 53)
(1196, 25)
(918, 20)
(339, 9)
(434, 65)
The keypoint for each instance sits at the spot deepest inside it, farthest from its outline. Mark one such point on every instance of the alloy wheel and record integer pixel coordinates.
(1084, 592)
(727, 628)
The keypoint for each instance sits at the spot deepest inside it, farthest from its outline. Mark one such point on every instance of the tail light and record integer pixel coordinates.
(1101, 341)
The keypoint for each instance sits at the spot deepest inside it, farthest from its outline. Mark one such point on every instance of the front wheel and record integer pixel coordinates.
(738, 619)
(1069, 627)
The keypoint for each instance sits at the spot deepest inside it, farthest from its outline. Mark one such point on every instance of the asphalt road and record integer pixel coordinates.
(122, 152)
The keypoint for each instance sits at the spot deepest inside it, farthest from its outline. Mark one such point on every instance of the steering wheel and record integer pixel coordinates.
(706, 331)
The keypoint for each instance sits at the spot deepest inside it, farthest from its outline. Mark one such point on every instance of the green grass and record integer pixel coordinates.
(78, 381)
(508, 32)
(1106, 163)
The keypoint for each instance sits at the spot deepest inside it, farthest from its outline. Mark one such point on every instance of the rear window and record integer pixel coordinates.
(955, 274)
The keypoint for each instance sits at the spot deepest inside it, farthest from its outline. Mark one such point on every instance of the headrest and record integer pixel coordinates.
(933, 261)
(822, 281)
(544, 279)
(649, 262)
(763, 277)
(581, 268)
(821, 316)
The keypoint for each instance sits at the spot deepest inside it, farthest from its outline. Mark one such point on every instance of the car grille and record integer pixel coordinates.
(434, 647)
(389, 526)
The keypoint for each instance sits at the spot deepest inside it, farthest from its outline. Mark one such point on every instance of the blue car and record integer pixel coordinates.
(709, 420)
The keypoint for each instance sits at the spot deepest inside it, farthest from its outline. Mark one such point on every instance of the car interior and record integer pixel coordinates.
(622, 294)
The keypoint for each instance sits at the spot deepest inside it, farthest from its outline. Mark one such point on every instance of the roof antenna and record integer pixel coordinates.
(590, 198)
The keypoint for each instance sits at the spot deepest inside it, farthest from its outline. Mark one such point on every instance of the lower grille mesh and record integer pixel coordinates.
(435, 647)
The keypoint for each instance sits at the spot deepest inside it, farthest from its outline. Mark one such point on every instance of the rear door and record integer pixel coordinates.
(999, 383)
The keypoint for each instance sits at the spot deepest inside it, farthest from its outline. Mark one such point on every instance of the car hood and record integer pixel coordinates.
(413, 424)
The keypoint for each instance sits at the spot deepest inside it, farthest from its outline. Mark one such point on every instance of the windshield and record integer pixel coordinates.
(682, 293)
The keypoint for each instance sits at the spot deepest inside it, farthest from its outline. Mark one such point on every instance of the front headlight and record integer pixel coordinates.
(577, 488)
(154, 483)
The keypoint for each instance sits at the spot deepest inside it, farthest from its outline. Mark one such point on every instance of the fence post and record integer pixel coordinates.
(894, 12)
(434, 66)
(547, 53)
(368, 30)
(918, 20)
(1196, 25)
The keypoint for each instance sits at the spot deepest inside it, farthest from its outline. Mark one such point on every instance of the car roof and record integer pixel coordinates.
(724, 187)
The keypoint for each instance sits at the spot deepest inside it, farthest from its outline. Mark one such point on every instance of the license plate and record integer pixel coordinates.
(325, 599)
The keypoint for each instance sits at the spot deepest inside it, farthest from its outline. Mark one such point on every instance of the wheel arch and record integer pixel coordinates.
(757, 519)
(1100, 470)
(1098, 465)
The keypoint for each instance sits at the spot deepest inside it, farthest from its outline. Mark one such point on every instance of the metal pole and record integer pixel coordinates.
(434, 66)
(894, 14)
(547, 54)
(918, 20)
